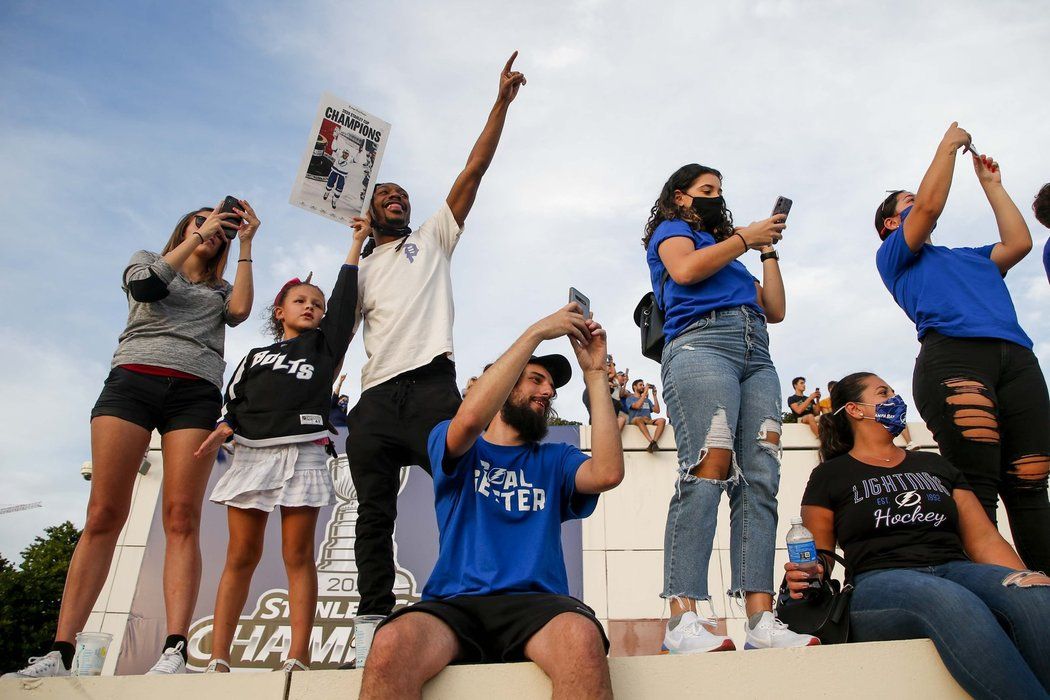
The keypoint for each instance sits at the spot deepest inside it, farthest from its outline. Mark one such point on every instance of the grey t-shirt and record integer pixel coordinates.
(184, 331)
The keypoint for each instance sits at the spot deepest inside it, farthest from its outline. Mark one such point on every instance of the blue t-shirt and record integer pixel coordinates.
(1046, 259)
(499, 516)
(728, 288)
(646, 411)
(958, 292)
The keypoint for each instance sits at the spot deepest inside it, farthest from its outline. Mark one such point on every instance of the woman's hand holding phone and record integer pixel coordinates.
(249, 221)
(765, 232)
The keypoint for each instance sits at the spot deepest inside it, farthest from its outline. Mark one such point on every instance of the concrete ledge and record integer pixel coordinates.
(910, 669)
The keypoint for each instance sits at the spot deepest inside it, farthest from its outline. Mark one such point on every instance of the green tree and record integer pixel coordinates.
(30, 595)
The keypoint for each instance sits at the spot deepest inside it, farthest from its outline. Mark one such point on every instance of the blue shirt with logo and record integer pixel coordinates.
(728, 288)
(958, 292)
(499, 515)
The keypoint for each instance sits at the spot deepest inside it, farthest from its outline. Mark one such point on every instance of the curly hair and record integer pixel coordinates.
(665, 208)
(836, 434)
(274, 326)
(1041, 205)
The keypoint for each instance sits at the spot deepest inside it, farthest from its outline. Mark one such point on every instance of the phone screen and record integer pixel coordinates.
(583, 301)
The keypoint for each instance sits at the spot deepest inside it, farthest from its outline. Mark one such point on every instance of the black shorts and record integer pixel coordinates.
(159, 403)
(496, 628)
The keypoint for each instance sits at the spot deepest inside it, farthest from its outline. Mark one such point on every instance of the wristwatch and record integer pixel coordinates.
(771, 255)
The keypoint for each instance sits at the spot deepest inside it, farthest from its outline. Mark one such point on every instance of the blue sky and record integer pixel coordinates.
(118, 117)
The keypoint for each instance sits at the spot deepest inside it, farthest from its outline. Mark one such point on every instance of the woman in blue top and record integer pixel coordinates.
(977, 382)
(723, 398)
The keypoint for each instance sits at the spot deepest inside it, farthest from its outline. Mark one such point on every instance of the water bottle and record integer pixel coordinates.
(803, 551)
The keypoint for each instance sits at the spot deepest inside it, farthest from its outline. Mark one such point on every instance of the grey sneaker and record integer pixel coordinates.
(47, 666)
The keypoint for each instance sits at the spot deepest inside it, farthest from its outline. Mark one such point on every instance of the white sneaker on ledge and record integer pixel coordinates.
(771, 633)
(47, 666)
(690, 636)
(170, 662)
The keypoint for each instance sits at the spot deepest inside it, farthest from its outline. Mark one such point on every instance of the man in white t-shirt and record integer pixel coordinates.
(408, 383)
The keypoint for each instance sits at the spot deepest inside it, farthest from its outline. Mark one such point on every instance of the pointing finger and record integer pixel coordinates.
(510, 62)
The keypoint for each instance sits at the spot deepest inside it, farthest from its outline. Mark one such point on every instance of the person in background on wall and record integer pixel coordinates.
(925, 559)
(805, 407)
(824, 405)
(641, 404)
(499, 591)
(977, 383)
(1041, 207)
(722, 396)
(340, 404)
(408, 383)
(166, 376)
(620, 399)
(277, 407)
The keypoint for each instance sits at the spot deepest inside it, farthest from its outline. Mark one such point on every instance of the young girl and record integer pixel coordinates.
(925, 559)
(277, 407)
(166, 376)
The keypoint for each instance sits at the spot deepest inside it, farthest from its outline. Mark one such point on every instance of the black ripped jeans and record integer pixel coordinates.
(985, 400)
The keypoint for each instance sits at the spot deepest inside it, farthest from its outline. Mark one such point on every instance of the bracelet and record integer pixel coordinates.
(247, 260)
(742, 240)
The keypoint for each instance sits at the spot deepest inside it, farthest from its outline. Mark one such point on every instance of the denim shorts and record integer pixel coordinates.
(159, 403)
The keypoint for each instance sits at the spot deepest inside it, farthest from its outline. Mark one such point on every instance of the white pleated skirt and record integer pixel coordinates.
(263, 478)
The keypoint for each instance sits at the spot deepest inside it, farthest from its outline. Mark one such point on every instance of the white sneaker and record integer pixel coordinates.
(771, 633)
(213, 666)
(170, 662)
(47, 666)
(690, 637)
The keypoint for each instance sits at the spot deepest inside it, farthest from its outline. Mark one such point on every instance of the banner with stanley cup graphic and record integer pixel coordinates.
(263, 634)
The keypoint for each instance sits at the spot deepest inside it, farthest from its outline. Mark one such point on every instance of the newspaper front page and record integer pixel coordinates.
(341, 162)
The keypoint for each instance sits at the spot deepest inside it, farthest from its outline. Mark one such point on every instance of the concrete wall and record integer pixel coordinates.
(901, 670)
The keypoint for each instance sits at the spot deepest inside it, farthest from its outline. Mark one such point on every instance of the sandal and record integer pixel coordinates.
(294, 665)
(213, 666)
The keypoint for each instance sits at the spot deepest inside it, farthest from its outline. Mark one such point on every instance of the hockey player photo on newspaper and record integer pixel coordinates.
(338, 170)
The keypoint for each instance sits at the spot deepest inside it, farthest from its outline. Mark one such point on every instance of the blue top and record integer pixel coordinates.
(1046, 259)
(499, 516)
(728, 288)
(646, 411)
(958, 292)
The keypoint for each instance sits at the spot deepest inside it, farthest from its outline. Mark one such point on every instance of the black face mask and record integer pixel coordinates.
(711, 210)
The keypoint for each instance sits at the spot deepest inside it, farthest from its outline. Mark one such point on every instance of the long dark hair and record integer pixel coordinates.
(836, 434)
(215, 268)
(886, 210)
(666, 209)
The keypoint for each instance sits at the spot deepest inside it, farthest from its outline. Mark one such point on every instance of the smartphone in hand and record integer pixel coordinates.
(585, 303)
(782, 206)
(230, 226)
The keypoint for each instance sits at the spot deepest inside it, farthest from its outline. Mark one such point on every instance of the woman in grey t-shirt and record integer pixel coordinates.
(166, 376)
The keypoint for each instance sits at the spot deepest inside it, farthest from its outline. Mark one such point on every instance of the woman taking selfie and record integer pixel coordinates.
(976, 382)
(166, 376)
(925, 559)
(722, 395)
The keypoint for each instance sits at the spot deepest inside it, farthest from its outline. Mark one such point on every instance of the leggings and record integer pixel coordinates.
(986, 402)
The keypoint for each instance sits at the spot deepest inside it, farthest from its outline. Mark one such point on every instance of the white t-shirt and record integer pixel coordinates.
(404, 297)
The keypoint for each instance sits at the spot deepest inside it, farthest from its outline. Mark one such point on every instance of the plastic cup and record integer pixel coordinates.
(90, 654)
(364, 630)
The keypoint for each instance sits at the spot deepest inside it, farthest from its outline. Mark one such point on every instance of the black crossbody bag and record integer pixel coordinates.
(649, 317)
(824, 612)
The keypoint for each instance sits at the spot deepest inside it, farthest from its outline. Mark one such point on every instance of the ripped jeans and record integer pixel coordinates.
(986, 403)
(722, 391)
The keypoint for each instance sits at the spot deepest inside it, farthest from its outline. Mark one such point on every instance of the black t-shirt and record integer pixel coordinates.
(795, 398)
(896, 517)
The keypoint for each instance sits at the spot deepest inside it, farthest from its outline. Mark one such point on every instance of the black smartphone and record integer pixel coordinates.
(230, 225)
(579, 298)
(782, 206)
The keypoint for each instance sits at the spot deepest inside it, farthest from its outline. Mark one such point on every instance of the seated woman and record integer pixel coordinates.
(925, 559)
